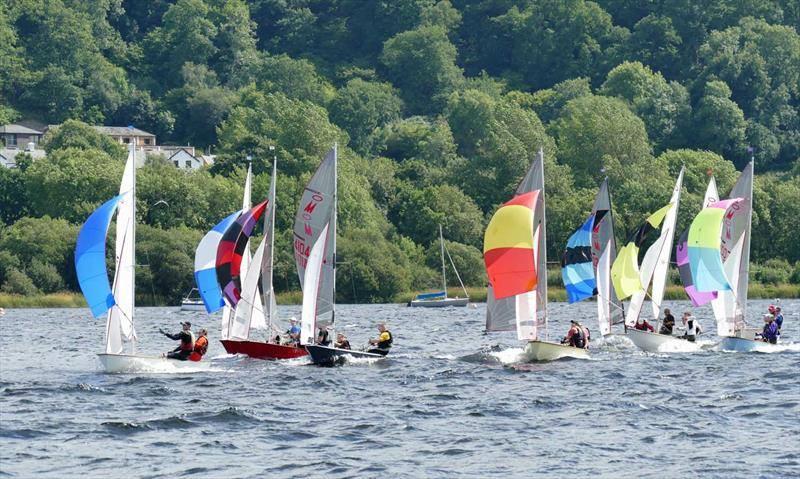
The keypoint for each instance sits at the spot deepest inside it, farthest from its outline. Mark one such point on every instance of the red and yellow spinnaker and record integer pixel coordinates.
(508, 247)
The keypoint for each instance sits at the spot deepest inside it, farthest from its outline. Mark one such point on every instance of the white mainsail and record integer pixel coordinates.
(604, 290)
(525, 313)
(317, 212)
(312, 277)
(655, 263)
(119, 326)
(730, 307)
(270, 306)
(250, 311)
(604, 252)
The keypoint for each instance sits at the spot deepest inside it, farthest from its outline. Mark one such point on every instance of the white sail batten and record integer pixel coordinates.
(312, 279)
(119, 327)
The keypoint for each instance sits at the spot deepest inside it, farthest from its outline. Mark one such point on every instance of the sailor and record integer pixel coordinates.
(668, 323)
(643, 325)
(778, 319)
(294, 331)
(323, 337)
(770, 332)
(186, 337)
(383, 343)
(576, 336)
(200, 346)
(342, 342)
(692, 327)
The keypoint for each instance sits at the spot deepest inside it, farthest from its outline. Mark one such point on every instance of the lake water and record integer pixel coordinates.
(448, 402)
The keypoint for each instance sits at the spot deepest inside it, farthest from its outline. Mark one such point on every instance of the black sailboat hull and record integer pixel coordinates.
(328, 356)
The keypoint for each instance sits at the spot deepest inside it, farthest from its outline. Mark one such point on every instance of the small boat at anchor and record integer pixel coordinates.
(440, 299)
(514, 250)
(193, 302)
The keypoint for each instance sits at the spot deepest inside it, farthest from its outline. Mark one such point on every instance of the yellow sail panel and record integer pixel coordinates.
(625, 271)
(510, 227)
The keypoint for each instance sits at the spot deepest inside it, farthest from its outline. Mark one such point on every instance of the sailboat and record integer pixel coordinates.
(585, 265)
(315, 257)
(516, 263)
(719, 261)
(254, 311)
(440, 299)
(630, 281)
(117, 301)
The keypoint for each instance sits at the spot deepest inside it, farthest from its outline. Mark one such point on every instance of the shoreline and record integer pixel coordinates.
(476, 294)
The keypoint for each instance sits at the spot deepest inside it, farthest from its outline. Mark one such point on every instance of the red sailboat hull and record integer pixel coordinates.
(259, 350)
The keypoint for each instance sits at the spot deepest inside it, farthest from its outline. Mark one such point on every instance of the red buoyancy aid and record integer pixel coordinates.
(187, 341)
(201, 345)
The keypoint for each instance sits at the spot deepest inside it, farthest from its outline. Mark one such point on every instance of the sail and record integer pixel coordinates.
(249, 313)
(609, 308)
(577, 269)
(682, 255)
(233, 246)
(205, 258)
(90, 258)
(625, 274)
(119, 326)
(317, 211)
(706, 251)
(501, 313)
(313, 280)
(666, 238)
(270, 308)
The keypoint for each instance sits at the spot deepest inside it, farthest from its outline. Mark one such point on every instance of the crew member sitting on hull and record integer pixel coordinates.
(341, 342)
(383, 343)
(294, 332)
(692, 327)
(576, 336)
(186, 337)
(778, 319)
(668, 323)
(643, 325)
(770, 332)
(200, 346)
(323, 337)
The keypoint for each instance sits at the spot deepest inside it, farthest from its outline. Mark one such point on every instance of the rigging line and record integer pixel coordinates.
(456, 271)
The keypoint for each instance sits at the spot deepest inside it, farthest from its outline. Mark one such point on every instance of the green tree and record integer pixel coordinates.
(549, 102)
(360, 107)
(46, 240)
(76, 134)
(719, 123)
(468, 260)
(422, 64)
(17, 282)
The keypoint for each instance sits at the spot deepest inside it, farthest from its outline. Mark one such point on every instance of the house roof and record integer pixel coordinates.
(18, 129)
(122, 131)
(182, 150)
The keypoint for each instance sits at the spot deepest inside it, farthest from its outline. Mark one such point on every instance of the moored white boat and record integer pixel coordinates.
(439, 303)
(192, 303)
(134, 363)
(548, 351)
(660, 343)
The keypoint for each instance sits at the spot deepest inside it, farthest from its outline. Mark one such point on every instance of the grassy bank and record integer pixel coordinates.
(476, 294)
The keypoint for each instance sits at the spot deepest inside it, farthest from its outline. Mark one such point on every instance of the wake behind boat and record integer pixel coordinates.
(330, 356)
(136, 363)
(660, 343)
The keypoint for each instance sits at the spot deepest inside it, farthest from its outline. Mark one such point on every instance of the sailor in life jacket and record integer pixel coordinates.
(200, 346)
(692, 327)
(186, 337)
(576, 336)
(383, 343)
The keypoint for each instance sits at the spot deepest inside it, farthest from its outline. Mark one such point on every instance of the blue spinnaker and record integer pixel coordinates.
(577, 270)
(90, 258)
(205, 275)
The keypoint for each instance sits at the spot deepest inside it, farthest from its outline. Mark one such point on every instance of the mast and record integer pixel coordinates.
(542, 288)
(335, 215)
(444, 278)
(270, 291)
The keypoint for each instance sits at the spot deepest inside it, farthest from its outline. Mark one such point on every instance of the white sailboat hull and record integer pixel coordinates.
(439, 303)
(547, 351)
(744, 345)
(192, 306)
(660, 343)
(134, 363)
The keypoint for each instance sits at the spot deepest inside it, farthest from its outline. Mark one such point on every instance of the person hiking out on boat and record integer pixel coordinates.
(294, 331)
(200, 346)
(668, 323)
(323, 337)
(186, 337)
(576, 336)
(342, 342)
(778, 319)
(770, 332)
(691, 326)
(643, 325)
(383, 343)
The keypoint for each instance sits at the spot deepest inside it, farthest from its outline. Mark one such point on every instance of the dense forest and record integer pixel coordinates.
(438, 106)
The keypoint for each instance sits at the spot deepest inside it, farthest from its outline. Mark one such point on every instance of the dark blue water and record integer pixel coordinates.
(449, 402)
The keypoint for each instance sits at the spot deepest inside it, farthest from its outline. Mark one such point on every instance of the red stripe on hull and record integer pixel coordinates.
(259, 350)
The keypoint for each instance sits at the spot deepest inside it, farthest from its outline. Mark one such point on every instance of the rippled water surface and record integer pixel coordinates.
(448, 402)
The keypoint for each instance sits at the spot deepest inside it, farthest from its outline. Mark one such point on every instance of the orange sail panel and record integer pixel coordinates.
(508, 247)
